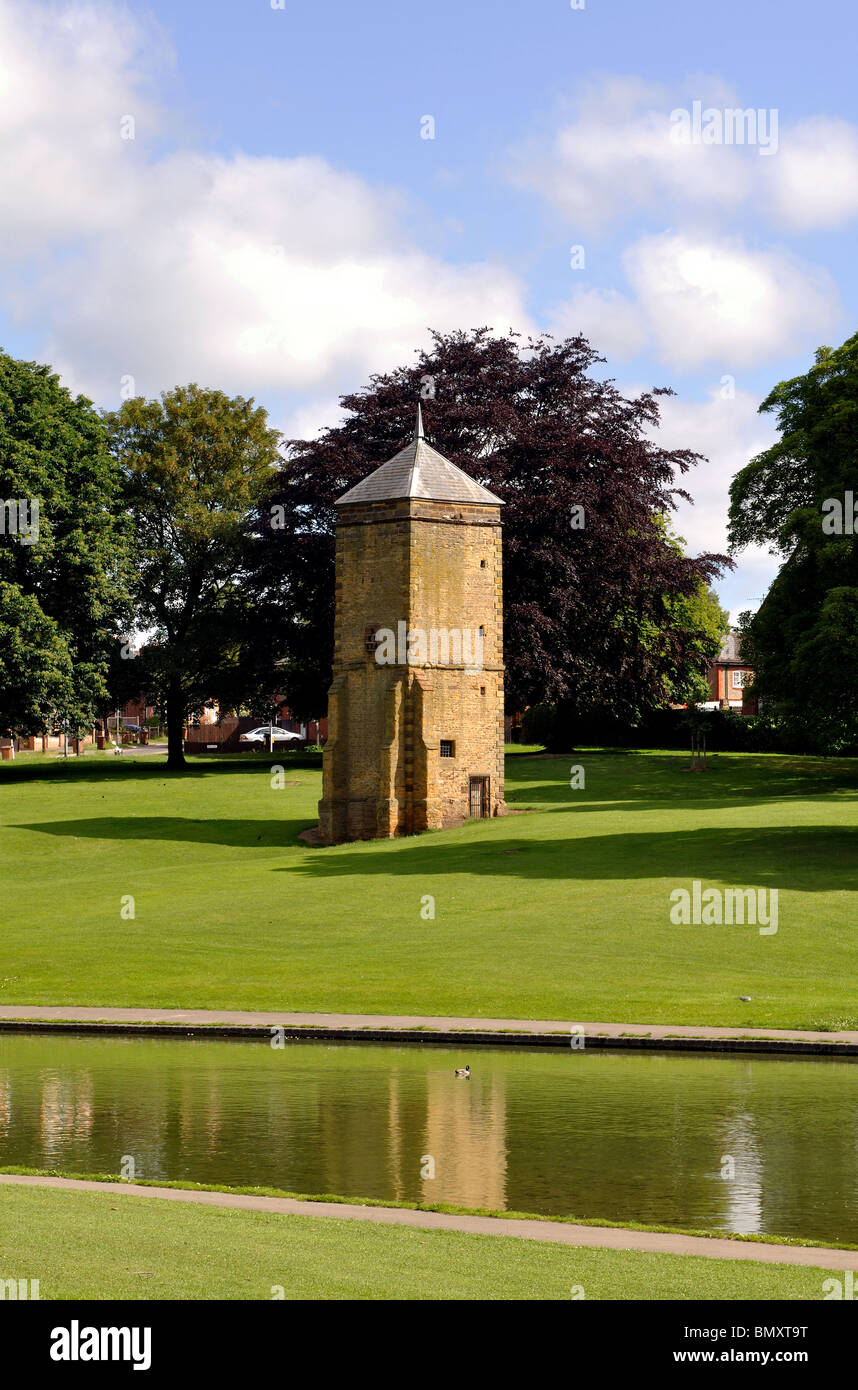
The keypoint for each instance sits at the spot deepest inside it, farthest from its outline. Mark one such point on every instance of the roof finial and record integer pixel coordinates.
(418, 428)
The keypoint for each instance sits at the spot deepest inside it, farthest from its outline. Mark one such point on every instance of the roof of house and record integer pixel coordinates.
(418, 470)
(730, 651)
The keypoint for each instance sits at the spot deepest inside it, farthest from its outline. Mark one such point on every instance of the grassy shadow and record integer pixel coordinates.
(148, 769)
(658, 782)
(244, 833)
(806, 858)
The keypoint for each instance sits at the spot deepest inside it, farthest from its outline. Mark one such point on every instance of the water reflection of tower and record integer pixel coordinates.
(200, 1114)
(394, 1139)
(466, 1136)
(67, 1109)
(5, 1103)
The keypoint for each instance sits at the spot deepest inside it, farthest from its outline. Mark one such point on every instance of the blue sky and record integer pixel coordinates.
(278, 226)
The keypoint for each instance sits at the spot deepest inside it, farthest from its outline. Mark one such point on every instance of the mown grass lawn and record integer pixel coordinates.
(562, 913)
(83, 1245)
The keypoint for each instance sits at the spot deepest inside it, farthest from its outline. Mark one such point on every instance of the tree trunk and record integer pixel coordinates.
(175, 724)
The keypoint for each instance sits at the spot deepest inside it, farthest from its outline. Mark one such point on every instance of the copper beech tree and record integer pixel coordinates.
(592, 578)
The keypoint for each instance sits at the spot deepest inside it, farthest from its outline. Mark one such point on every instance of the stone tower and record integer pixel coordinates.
(415, 713)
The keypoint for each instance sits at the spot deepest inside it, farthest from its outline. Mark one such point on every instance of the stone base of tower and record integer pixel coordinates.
(367, 819)
(343, 822)
(388, 767)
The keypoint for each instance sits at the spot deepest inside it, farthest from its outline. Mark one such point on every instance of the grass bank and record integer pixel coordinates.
(563, 913)
(97, 1246)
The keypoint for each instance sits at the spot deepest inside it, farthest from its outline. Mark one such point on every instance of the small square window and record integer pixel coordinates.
(448, 748)
(370, 641)
(741, 679)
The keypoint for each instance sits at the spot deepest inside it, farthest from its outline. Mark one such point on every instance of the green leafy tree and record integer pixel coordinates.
(803, 641)
(62, 548)
(196, 464)
(36, 673)
(703, 625)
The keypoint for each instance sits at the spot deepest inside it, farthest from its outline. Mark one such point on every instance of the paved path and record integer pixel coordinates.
(239, 1018)
(554, 1232)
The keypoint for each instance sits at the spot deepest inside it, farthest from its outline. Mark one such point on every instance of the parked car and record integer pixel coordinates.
(259, 736)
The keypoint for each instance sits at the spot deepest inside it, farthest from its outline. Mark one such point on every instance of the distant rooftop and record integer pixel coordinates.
(730, 648)
(418, 470)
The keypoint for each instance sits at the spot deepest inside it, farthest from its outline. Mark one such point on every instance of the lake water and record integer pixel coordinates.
(622, 1136)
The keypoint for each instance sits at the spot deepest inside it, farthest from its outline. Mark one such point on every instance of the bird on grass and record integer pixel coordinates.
(464, 1072)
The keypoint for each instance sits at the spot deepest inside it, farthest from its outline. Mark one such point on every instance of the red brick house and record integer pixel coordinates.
(728, 677)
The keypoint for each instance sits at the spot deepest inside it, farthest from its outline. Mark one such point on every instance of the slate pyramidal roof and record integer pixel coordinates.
(418, 470)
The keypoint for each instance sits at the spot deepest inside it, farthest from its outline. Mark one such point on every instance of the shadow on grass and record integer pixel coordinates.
(805, 858)
(244, 833)
(665, 782)
(150, 770)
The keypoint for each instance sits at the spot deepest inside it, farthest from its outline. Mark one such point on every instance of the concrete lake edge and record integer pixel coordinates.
(447, 1032)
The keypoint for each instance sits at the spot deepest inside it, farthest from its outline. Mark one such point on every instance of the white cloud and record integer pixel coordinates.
(698, 301)
(716, 300)
(746, 586)
(254, 274)
(67, 79)
(615, 327)
(615, 155)
(262, 274)
(728, 431)
(814, 177)
(307, 420)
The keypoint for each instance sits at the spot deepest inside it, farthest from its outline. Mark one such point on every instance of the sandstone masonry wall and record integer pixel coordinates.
(421, 567)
